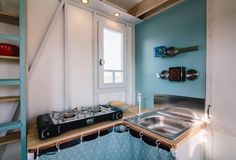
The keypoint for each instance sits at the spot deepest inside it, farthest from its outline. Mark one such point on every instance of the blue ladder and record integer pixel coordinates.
(20, 124)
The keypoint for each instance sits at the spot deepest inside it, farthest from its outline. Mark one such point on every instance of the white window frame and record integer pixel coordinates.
(119, 28)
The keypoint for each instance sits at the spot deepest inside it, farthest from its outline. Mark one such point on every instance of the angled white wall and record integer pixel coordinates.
(45, 86)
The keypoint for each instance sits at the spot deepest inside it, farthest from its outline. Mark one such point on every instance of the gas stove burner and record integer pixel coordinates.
(96, 109)
(84, 110)
(55, 123)
(62, 115)
(89, 110)
(68, 114)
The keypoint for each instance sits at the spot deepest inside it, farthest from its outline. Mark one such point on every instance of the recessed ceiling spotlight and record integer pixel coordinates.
(116, 14)
(84, 1)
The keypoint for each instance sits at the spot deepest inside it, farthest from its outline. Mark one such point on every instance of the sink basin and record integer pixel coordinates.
(165, 126)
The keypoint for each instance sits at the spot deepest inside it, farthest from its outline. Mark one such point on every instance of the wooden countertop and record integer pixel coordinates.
(34, 143)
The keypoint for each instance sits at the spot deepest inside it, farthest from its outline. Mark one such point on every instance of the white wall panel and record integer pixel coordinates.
(224, 146)
(192, 149)
(80, 56)
(45, 86)
(130, 66)
(224, 56)
(12, 152)
(39, 14)
(221, 43)
(104, 98)
(8, 29)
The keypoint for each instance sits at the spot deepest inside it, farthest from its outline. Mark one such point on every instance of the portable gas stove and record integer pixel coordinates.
(55, 123)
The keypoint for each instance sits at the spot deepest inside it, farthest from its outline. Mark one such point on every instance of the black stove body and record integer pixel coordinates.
(55, 123)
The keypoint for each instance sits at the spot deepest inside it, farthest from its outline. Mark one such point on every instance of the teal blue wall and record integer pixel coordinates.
(181, 26)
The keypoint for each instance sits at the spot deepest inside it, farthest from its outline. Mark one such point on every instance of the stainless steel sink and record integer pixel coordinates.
(164, 125)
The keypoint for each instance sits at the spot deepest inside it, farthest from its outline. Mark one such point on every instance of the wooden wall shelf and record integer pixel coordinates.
(10, 138)
(8, 58)
(9, 99)
(8, 18)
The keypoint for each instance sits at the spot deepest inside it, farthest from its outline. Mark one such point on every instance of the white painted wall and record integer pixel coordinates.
(45, 85)
(80, 56)
(221, 42)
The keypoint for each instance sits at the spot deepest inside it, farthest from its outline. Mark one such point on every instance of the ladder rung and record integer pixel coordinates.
(9, 58)
(10, 138)
(9, 82)
(9, 126)
(9, 37)
(9, 98)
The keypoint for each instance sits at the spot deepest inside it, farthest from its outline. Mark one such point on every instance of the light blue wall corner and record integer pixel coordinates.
(181, 26)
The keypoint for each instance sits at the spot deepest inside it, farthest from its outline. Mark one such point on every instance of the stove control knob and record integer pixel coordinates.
(119, 115)
(45, 133)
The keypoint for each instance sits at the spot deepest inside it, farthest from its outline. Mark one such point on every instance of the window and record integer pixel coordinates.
(111, 56)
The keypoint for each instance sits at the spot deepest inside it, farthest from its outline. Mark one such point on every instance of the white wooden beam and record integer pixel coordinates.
(66, 60)
(95, 74)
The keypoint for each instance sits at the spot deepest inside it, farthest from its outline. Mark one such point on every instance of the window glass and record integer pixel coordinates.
(108, 77)
(118, 77)
(113, 49)
(111, 56)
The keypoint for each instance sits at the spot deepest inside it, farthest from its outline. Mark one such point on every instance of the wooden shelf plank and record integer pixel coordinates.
(9, 126)
(9, 58)
(9, 82)
(8, 18)
(10, 138)
(9, 98)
